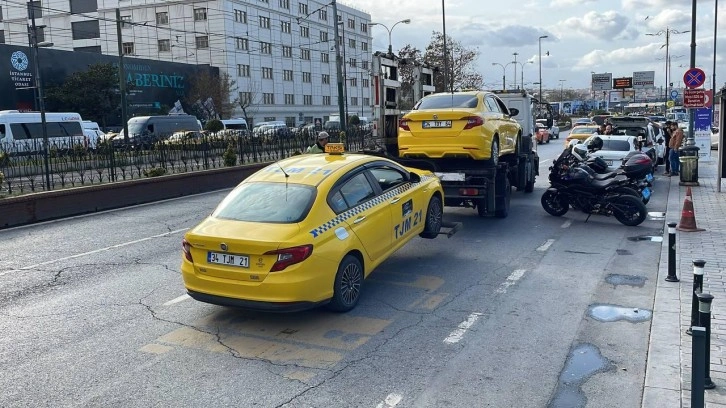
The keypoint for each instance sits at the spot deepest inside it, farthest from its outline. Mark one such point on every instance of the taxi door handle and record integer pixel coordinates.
(395, 200)
(359, 220)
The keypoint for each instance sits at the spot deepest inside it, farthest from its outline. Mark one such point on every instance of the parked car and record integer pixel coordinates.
(715, 137)
(554, 131)
(580, 133)
(615, 148)
(581, 121)
(542, 134)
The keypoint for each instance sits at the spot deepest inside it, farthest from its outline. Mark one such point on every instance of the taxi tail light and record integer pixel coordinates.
(473, 121)
(469, 191)
(290, 256)
(403, 124)
(187, 249)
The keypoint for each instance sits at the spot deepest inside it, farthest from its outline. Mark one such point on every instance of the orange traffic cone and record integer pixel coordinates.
(688, 218)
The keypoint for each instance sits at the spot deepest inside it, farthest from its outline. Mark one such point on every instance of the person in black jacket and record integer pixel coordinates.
(667, 136)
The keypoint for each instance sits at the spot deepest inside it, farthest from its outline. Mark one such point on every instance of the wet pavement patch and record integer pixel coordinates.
(613, 313)
(656, 215)
(652, 238)
(583, 362)
(629, 280)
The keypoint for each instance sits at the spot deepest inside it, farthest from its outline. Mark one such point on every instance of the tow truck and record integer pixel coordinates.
(486, 185)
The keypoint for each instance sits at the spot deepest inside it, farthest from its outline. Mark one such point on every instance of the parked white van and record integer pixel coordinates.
(93, 133)
(234, 124)
(22, 132)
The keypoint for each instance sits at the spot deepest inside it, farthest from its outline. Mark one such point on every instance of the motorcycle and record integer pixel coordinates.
(572, 185)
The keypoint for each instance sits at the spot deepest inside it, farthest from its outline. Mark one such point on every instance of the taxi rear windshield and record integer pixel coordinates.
(447, 101)
(616, 145)
(267, 202)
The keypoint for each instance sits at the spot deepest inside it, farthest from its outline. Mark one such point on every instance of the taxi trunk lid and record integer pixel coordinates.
(237, 250)
(440, 123)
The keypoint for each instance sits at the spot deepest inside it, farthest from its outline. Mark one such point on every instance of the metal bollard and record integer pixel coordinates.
(672, 277)
(698, 265)
(704, 320)
(697, 368)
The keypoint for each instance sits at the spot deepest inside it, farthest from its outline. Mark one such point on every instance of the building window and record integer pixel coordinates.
(366, 101)
(326, 79)
(365, 82)
(2, 38)
(304, 32)
(240, 16)
(34, 7)
(324, 57)
(351, 23)
(285, 27)
(265, 47)
(200, 14)
(162, 18)
(243, 70)
(351, 43)
(354, 100)
(287, 51)
(202, 41)
(352, 62)
(268, 98)
(242, 44)
(363, 27)
(245, 98)
(326, 100)
(323, 14)
(353, 81)
(364, 64)
(265, 1)
(270, 118)
(83, 6)
(164, 46)
(128, 48)
(1, 13)
(264, 22)
(307, 99)
(289, 99)
(287, 74)
(290, 121)
(266, 73)
(307, 77)
(125, 21)
(285, 4)
(83, 30)
(364, 46)
(305, 54)
(323, 36)
(94, 49)
(303, 8)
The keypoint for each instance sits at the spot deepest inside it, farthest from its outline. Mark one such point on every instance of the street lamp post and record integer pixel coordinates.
(339, 70)
(539, 59)
(668, 31)
(504, 75)
(515, 69)
(521, 66)
(41, 99)
(561, 88)
(390, 47)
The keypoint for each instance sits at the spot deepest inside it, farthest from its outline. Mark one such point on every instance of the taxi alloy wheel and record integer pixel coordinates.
(434, 217)
(347, 285)
(495, 152)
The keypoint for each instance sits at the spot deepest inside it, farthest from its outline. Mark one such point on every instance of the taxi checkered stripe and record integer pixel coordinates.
(344, 216)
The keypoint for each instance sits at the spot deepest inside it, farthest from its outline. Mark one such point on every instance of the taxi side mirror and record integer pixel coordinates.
(513, 111)
(414, 178)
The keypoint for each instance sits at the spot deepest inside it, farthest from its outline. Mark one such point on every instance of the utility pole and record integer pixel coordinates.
(122, 76)
(41, 98)
(446, 57)
(515, 70)
(691, 140)
(339, 70)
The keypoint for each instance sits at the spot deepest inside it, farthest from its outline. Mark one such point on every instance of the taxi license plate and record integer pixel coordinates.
(609, 162)
(428, 124)
(242, 261)
(451, 176)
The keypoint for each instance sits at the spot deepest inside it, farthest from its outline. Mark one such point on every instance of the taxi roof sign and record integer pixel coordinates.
(335, 148)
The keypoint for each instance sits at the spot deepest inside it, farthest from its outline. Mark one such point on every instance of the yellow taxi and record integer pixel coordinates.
(307, 231)
(468, 124)
(580, 133)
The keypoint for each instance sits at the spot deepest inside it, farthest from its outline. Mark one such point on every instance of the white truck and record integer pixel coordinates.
(22, 132)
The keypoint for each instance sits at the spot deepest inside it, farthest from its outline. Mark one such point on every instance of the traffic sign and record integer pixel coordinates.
(697, 98)
(670, 104)
(674, 94)
(694, 78)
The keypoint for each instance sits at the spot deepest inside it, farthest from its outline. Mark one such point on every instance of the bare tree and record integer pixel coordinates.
(249, 100)
(211, 96)
(461, 64)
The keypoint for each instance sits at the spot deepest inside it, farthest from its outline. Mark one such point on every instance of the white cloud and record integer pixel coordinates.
(570, 3)
(608, 25)
(672, 18)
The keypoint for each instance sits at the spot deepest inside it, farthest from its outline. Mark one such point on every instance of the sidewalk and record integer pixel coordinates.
(668, 371)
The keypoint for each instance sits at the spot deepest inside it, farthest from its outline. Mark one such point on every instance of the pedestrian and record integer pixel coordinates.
(667, 136)
(609, 129)
(675, 144)
(319, 146)
(600, 130)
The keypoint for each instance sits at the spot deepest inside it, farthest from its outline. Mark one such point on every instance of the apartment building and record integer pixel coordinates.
(280, 53)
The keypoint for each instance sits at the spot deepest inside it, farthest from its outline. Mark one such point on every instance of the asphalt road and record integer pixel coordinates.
(527, 311)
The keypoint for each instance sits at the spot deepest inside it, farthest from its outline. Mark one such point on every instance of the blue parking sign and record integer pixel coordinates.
(674, 94)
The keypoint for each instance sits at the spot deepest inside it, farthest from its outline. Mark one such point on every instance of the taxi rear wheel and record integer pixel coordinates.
(434, 217)
(347, 285)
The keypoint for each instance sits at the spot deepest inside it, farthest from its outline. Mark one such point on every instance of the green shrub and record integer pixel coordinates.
(214, 126)
(354, 120)
(154, 172)
(230, 156)
(2, 178)
(4, 160)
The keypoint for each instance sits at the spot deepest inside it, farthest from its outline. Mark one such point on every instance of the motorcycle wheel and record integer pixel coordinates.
(629, 210)
(554, 203)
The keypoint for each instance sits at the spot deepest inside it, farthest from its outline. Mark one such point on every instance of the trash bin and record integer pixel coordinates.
(688, 156)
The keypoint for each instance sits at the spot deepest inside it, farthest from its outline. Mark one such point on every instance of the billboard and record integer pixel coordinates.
(622, 83)
(643, 79)
(602, 82)
(155, 85)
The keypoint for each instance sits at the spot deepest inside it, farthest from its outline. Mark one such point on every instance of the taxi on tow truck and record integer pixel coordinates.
(307, 230)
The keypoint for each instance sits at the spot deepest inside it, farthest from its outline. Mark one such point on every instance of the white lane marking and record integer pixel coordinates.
(546, 245)
(456, 335)
(541, 162)
(511, 280)
(567, 224)
(177, 300)
(95, 251)
(391, 401)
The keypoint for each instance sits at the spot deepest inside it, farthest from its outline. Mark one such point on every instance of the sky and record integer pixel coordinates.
(583, 36)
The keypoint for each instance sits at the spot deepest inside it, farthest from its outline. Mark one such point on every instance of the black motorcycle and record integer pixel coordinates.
(572, 185)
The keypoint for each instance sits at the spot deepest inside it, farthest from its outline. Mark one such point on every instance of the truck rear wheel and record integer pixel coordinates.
(530, 174)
